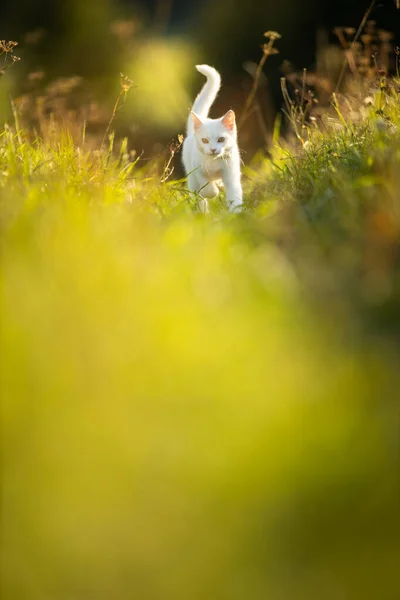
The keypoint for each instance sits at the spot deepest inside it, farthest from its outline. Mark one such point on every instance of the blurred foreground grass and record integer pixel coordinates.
(201, 408)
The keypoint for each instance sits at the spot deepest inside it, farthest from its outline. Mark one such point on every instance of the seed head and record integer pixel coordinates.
(272, 35)
(7, 46)
(126, 83)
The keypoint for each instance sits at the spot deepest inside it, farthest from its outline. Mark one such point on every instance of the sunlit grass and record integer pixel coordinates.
(196, 407)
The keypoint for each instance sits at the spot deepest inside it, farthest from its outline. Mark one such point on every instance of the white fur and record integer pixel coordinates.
(208, 171)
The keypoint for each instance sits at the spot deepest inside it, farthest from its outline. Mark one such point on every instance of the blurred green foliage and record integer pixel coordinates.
(201, 407)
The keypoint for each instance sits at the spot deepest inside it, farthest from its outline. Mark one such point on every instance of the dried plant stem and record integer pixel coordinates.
(7, 56)
(253, 90)
(291, 109)
(173, 148)
(168, 170)
(261, 121)
(267, 49)
(354, 41)
(110, 122)
(126, 85)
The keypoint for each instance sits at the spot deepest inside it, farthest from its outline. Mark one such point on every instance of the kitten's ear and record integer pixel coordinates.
(228, 120)
(197, 122)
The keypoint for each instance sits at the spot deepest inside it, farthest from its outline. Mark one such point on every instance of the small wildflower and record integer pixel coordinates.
(269, 50)
(7, 46)
(272, 35)
(126, 83)
(6, 53)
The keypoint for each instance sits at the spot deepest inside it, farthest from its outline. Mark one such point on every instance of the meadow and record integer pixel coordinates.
(203, 406)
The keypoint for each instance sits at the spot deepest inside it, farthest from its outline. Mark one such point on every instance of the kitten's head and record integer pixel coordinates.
(215, 137)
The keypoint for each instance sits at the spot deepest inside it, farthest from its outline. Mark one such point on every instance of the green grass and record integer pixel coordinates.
(201, 407)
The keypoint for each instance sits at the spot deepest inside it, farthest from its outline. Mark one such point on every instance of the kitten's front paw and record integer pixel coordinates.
(235, 207)
(203, 206)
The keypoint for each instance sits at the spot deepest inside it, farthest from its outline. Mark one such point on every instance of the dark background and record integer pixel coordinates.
(75, 39)
(228, 28)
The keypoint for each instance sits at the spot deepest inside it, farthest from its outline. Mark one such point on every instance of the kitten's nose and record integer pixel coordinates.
(213, 150)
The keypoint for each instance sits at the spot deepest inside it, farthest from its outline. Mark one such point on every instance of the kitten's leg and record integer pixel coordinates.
(209, 189)
(200, 184)
(206, 189)
(192, 182)
(232, 183)
(194, 186)
(233, 190)
(203, 206)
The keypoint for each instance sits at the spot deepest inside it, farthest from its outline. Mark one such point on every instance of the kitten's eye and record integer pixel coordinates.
(205, 141)
(221, 139)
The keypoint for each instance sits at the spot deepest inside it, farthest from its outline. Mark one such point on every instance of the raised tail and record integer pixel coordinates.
(207, 95)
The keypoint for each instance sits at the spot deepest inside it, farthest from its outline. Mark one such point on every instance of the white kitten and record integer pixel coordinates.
(210, 151)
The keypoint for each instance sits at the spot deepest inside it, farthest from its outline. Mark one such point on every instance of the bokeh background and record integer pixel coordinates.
(83, 46)
(194, 408)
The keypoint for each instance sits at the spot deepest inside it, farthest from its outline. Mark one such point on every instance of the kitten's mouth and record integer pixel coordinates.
(212, 154)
